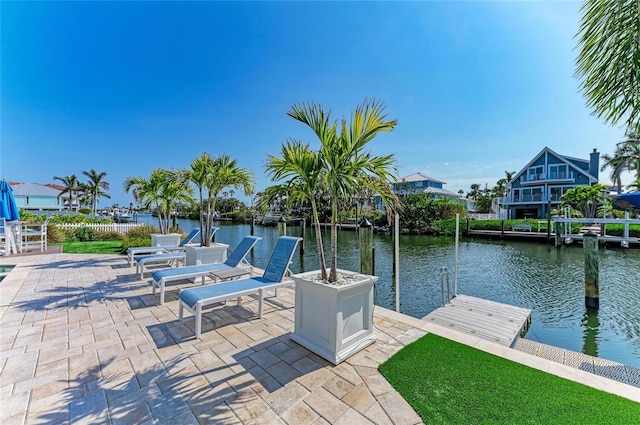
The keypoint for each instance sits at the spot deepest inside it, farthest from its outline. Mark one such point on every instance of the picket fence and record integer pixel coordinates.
(115, 227)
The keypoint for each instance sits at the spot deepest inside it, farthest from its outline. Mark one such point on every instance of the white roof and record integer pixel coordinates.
(418, 177)
(438, 191)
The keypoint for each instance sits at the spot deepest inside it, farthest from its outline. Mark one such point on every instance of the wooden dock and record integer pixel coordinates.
(490, 320)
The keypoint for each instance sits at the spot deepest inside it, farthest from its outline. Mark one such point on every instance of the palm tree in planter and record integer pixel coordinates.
(211, 176)
(334, 308)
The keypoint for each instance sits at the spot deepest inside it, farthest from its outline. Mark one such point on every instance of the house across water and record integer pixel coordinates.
(537, 187)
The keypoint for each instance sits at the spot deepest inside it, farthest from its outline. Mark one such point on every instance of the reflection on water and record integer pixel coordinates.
(590, 324)
(550, 282)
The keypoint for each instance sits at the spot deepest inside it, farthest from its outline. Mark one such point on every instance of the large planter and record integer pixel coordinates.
(171, 239)
(216, 253)
(334, 321)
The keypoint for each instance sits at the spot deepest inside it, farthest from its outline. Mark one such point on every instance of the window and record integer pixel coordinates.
(535, 173)
(558, 171)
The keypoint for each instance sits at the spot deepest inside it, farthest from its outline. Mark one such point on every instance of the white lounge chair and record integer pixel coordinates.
(145, 250)
(235, 266)
(195, 299)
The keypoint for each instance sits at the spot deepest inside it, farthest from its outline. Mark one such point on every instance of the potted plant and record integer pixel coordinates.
(334, 307)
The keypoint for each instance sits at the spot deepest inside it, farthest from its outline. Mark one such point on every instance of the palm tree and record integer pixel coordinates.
(161, 191)
(475, 191)
(608, 62)
(625, 157)
(584, 198)
(340, 168)
(95, 188)
(71, 188)
(211, 176)
(301, 167)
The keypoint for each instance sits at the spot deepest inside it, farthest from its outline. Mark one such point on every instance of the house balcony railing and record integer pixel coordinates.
(547, 178)
(529, 199)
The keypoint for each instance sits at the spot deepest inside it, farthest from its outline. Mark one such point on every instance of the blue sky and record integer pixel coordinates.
(478, 88)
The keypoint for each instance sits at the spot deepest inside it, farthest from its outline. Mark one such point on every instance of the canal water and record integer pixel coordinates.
(546, 280)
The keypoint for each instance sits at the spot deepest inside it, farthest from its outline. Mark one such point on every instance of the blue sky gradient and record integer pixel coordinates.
(478, 88)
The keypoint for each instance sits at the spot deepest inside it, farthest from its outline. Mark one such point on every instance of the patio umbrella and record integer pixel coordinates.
(8, 206)
(627, 201)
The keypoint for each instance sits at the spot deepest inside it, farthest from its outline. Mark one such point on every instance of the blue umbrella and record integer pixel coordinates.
(8, 206)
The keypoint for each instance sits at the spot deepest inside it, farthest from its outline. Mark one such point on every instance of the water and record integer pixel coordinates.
(550, 282)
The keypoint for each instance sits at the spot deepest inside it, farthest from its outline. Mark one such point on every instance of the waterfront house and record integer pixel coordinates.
(538, 186)
(417, 183)
(38, 197)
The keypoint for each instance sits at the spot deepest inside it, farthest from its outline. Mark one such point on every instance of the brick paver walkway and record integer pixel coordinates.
(84, 341)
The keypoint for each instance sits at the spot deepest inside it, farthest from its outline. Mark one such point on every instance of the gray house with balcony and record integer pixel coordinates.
(537, 187)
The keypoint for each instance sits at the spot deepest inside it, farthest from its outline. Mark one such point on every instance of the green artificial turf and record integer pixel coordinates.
(451, 383)
(97, 247)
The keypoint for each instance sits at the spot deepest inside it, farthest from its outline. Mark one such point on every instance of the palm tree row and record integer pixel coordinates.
(89, 192)
(163, 189)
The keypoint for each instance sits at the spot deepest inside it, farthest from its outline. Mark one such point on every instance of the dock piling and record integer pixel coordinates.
(591, 270)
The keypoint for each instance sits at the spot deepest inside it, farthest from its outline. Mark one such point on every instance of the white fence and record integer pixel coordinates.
(115, 227)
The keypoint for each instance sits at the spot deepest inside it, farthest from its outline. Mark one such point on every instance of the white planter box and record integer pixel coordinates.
(171, 239)
(334, 321)
(216, 253)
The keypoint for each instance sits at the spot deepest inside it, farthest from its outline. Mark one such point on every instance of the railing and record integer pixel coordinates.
(115, 227)
(546, 177)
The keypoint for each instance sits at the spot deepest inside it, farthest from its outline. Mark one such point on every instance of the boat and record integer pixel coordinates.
(627, 201)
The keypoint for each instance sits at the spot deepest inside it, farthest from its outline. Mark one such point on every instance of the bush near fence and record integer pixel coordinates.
(618, 230)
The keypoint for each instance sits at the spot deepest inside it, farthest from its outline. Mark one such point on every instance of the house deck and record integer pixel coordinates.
(490, 320)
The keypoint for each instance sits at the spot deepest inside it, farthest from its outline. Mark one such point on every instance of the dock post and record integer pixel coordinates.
(282, 227)
(303, 224)
(396, 264)
(253, 224)
(365, 236)
(591, 270)
(502, 229)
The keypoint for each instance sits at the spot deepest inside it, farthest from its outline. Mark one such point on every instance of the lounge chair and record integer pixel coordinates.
(195, 299)
(164, 257)
(235, 266)
(145, 250)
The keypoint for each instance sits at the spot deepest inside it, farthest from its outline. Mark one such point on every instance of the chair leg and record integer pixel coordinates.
(198, 319)
(180, 311)
(162, 292)
(260, 303)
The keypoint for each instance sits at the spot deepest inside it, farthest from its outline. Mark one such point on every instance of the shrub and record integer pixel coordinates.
(135, 241)
(55, 235)
(618, 230)
(143, 232)
(85, 211)
(445, 227)
(85, 234)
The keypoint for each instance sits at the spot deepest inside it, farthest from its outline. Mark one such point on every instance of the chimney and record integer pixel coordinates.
(594, 163)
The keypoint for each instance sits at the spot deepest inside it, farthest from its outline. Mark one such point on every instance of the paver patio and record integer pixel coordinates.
(84, 341)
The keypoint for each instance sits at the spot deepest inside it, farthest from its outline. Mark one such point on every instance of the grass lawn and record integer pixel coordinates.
(97, 247)
(451, 383)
